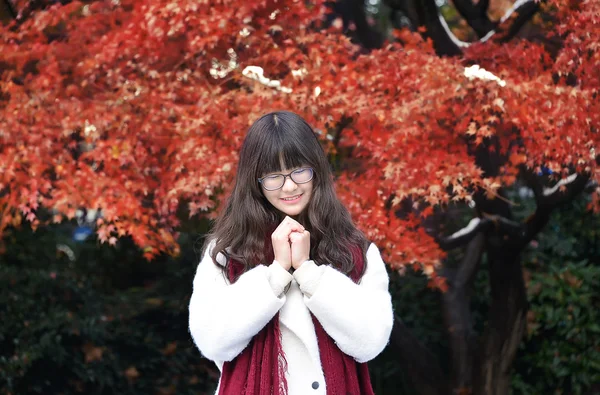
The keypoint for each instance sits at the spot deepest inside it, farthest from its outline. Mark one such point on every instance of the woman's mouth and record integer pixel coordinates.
(291, 199)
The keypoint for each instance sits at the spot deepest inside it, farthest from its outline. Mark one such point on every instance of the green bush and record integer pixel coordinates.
(65, 328)
(561, 354)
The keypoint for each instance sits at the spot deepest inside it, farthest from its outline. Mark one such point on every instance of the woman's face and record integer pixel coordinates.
(292, 198)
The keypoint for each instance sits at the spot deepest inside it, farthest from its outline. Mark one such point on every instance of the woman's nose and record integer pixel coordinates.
(289, 185)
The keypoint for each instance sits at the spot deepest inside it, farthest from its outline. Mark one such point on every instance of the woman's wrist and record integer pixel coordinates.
(285, 264)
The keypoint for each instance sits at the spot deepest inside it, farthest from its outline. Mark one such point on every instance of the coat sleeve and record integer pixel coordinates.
(359, 317)
(224, 317)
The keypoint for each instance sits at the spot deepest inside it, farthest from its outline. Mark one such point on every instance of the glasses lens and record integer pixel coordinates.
(272, 182)
(303, 175)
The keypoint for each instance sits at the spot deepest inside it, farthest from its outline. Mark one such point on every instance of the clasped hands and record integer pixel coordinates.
(291, 244)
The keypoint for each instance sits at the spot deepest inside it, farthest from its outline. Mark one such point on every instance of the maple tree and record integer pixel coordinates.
(138, 108)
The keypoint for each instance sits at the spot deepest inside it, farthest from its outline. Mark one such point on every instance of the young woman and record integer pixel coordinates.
(289, 297)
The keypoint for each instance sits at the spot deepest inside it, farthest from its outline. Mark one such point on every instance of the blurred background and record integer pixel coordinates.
(463, 135)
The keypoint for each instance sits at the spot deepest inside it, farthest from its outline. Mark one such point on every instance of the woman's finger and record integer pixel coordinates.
(293, 222)
(295, 237)
(287, 227)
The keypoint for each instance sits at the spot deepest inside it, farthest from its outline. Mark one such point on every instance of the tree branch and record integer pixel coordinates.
(548, 199)
(572, 185)
(468, 268)
(421, 366)
(8, 5)
(483, 5)
(425, 13)
(590, 186)
(369, 37)
(33, 5)
(430, 17)
(353, 11)
(525, 11)
(503, 226)
(473, 15)
(407, 8)
(476, 16)
(465, 235)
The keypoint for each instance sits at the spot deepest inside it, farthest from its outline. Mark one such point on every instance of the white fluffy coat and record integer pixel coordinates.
(224, 317)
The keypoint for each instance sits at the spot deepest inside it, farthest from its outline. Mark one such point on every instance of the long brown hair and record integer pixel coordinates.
(242, 230)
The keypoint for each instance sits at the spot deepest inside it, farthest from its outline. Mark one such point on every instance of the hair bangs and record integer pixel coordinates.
(283, 152)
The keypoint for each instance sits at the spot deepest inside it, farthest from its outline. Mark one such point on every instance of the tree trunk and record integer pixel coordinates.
(506, 325)
(421, 366)
(457, 314)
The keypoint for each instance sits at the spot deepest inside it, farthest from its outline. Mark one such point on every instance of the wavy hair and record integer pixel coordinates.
(242, 231)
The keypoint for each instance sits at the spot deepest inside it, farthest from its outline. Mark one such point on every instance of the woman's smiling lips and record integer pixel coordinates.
(291, 199)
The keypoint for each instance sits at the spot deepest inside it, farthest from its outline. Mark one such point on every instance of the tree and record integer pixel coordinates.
(137, 108)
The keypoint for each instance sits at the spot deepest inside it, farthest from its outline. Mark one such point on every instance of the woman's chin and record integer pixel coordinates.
(291, 211)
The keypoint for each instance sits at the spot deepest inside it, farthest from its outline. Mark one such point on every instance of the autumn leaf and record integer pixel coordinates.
(131, 373)
(170, 348)
(154, 302)
(92, 353)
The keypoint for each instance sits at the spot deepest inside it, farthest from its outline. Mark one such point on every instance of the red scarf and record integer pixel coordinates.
(260, 368)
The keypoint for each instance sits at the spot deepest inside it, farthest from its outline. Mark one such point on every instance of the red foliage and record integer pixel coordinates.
(138, 107)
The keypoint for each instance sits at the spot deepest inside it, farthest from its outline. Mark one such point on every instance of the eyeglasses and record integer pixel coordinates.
(276, 181)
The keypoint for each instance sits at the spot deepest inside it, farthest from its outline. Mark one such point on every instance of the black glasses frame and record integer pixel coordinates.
(285, 176)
